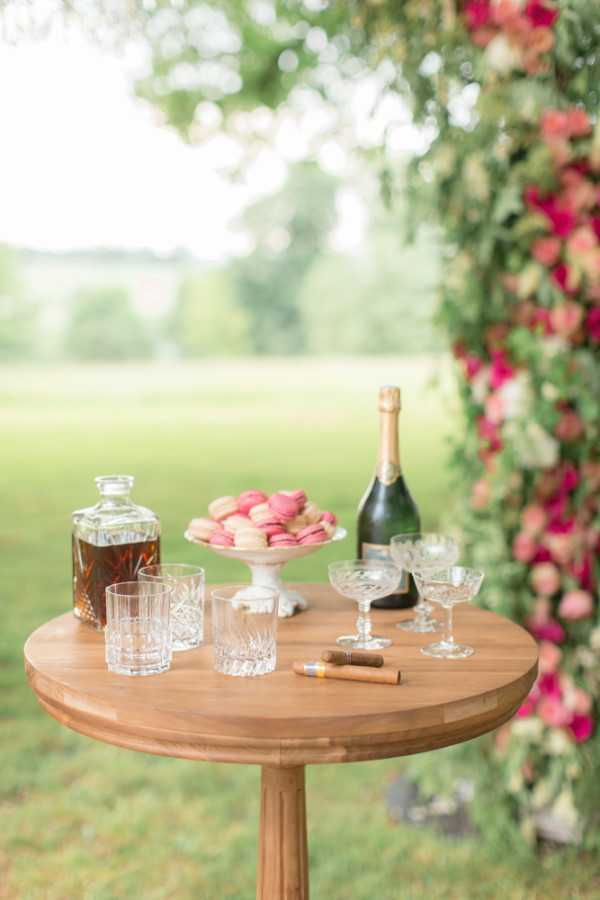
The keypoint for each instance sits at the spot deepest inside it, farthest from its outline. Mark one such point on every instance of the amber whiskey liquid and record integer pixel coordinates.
(97, 567)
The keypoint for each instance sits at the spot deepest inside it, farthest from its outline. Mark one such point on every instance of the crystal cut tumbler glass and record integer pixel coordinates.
(364, 580)
(449, 587)
(187, 600)
(138, 634)
(418, 554)
(244, 624)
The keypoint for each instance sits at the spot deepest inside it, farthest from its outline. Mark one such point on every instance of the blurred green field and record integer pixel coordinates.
(85, 821)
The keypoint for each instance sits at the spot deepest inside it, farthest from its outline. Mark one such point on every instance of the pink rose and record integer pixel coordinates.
(562, 219)
(581, 702)
(501, 369)
(527, 708)
(549, 657)
(524, 547)
(553, 712)
(581, 727)
(569, 427)
(575, 605)
(478, 13)
(569, 477)
(549, 685)
(549, 630)
(566, 318)
(582, 241)
(582, 571)
(533, 519)
(578, 122)
(546, 250)
(563, 278)
(592, 324)
(561, 546)
(494, 408)
(578, 192)
(545, 578)
(555, 124)
(472, 365)
(480, 494)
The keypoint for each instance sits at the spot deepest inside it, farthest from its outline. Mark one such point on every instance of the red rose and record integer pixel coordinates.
(581, 727)
(592, 324)
(541, 15)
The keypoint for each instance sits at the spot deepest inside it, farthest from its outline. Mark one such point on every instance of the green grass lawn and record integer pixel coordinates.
(80, 819)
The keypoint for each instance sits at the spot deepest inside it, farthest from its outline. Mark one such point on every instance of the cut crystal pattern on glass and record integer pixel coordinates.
(364, 580)
(244, 621)
(449, 587)
(187, 601)
(422, 552)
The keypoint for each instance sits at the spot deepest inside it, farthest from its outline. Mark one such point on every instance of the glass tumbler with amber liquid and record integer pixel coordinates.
(112, 541)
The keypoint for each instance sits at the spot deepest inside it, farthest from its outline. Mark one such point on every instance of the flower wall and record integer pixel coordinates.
(514, 173)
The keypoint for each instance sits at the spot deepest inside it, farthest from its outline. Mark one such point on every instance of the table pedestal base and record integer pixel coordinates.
(282, 851)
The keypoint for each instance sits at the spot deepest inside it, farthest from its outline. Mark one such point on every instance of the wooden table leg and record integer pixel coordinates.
(282, 851)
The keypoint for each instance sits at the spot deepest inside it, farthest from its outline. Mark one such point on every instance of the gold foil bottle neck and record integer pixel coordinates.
(389, 398)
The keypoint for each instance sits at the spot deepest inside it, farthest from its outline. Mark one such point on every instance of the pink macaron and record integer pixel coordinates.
(329, 517)
(312, 534)
(284, 506)
(282, 540)
(248, 499)
(221, 539)
(317, 537)
(299, 496)
(272, 528)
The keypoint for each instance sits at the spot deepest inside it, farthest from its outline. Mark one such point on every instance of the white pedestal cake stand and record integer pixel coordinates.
(266, 565)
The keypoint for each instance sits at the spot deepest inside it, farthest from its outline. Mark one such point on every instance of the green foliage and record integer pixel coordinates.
(103, 325)
(289, 230)
(378, 301)
(18, 314)
(206, 319)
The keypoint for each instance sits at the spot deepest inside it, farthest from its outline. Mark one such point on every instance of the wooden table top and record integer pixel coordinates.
(283, 719)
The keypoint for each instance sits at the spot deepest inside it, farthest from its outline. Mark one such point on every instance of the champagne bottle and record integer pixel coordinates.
(387, 507)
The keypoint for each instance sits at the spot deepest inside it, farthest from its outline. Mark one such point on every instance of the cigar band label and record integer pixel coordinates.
(382, 551)
(317, 670)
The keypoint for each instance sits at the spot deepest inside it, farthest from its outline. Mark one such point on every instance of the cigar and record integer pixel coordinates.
(352, 658)
(347, 673)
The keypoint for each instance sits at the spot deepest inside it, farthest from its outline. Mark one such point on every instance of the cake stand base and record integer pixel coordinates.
(270, 576)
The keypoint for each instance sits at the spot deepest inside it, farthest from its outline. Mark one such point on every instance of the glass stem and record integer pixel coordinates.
(363, 622)
(448, 636)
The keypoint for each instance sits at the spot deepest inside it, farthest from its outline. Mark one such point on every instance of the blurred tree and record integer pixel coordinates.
(18, 315)
(379, 301)
(289, 230)
(207, 320)
(103, 325)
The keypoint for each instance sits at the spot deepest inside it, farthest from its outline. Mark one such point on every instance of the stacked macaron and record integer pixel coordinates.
(255, 521)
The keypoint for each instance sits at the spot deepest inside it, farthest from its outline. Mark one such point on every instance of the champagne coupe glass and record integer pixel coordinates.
(364, 580)
(449, 587)
(420, 553)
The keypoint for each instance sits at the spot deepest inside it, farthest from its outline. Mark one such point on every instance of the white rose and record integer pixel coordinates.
(502, 56)
(528, 728)
(535, 448)
(480, 386)
(557, 743)
(595, 639)
(517, 397)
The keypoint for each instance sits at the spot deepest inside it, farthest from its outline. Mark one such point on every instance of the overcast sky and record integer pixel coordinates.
(83, 163)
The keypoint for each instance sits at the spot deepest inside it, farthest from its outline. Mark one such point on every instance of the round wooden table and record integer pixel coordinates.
(283, 721)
